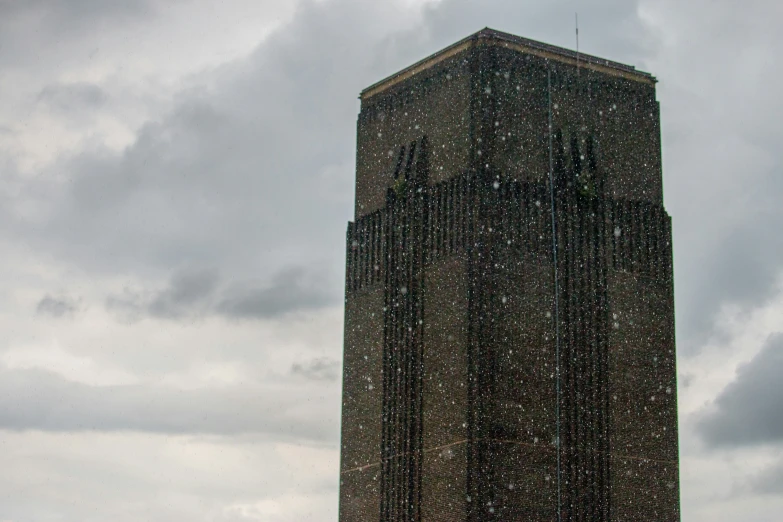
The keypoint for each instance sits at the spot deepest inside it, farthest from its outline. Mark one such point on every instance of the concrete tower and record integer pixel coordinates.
(509, 313)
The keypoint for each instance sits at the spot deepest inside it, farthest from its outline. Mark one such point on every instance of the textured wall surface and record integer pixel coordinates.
(361, 417)
(495, 370)
(445, 367)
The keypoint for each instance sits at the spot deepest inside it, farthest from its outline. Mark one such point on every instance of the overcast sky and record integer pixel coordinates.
(175, 179)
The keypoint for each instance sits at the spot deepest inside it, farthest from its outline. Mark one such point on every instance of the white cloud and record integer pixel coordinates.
(128, 477)
(53, 358)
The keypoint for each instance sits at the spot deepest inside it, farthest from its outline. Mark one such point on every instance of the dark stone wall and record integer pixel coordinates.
(643, 383)
(465, 247)
(445, 367)
(362, 400)
(621, 114)
(523, 450)
(436, 105)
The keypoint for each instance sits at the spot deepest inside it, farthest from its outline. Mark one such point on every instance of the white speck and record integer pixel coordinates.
(404, 290)
(549, 314)
(488, 90)
(538, 203)
(669, 389)
(504, 300)
(495, 185)
(617, 231)
(506, 76)
(448, 76)
(555, 106)
(497, 123)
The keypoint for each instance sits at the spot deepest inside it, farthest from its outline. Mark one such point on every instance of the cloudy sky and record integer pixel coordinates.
(175, 178)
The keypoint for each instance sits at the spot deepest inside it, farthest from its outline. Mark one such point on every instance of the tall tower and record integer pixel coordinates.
(509, 312)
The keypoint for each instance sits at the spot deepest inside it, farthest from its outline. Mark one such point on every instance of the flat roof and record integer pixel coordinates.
(525, 45)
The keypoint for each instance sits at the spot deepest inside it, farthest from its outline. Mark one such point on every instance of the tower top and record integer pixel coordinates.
(489, 36)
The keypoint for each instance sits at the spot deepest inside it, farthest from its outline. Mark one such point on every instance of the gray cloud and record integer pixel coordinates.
(74, 11)
(290, 291)
(239, 178)
(768, 481)
(61, 17)
(37, 400)
(197, 294)
(188, 294)
(623, 35)
(70, 97)
(743, 267)
(748, 411)
(34, 30)
(727, 246)
(320, 369)
(186, 291)
(57, 306)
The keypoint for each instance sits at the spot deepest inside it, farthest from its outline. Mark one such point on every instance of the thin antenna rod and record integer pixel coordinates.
(557, 292)
(576, 25)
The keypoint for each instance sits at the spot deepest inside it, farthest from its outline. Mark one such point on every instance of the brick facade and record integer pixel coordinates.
(489, 310)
